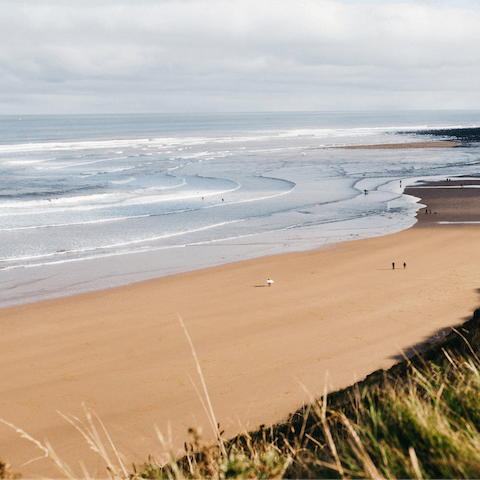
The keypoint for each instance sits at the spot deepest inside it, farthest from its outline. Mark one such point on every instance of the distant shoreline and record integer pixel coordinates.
(455, 201)
(399, 146)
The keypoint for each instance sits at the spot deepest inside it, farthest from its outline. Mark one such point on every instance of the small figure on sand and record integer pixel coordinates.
(404, 265)
(269, 282)
(393, 266)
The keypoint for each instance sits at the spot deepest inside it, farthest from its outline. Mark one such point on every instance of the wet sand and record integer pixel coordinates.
(401, 146)
(456, 200)
(331, 317)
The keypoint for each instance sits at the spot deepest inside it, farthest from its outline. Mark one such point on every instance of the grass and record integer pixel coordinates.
(420, 419)
(425, 425)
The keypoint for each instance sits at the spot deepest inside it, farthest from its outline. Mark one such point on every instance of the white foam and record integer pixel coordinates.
(158, 194)
(458, 223)
(122, 182)
(97, 248)
(274, 199)
(27, 162)
(74, 165)
(73, 224)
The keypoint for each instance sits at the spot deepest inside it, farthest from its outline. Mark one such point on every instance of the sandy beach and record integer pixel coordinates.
(331, 317)
(397, 146)
(455, 200)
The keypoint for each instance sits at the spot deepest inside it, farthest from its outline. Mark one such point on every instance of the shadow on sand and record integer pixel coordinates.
(441, 334)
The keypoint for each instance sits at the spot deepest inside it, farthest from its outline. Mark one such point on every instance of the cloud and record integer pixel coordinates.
(181, 55)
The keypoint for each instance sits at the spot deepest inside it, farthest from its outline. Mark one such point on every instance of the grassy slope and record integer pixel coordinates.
(384, 390)
(420, 419)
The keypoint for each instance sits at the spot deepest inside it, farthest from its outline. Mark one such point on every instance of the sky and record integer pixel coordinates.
(179, 56)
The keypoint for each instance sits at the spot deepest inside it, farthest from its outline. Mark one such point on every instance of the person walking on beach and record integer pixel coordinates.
(393, 266)
(404, 265)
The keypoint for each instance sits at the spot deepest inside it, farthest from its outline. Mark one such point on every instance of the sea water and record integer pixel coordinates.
(92, 202)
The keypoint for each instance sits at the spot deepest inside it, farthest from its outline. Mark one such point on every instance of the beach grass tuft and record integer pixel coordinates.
(425, 426)
(206, 459)
(6, 471)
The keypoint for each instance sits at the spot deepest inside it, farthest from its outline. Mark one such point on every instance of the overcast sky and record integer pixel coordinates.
(105, 56)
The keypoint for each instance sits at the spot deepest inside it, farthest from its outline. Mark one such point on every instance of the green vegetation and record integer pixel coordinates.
(424, 426)
(420, 419)
(6, 472)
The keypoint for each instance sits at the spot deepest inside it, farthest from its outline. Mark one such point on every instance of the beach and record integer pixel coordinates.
(331, 317)
(86, 209)
(402, 146)
(448, 202)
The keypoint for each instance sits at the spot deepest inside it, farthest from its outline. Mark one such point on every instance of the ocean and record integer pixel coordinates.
(90, 202)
